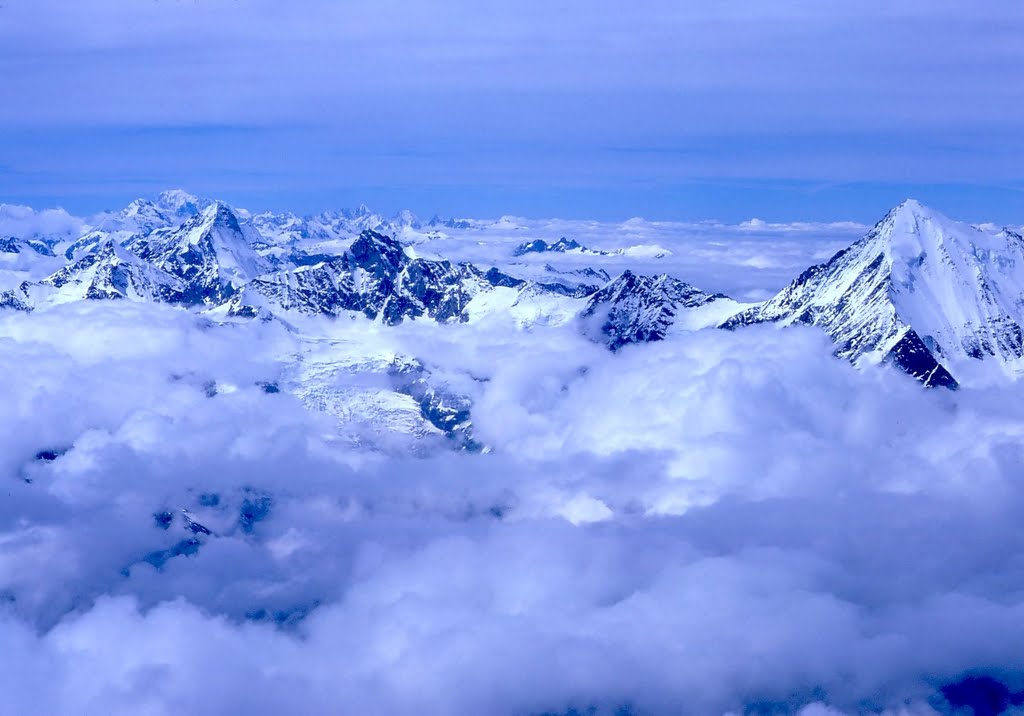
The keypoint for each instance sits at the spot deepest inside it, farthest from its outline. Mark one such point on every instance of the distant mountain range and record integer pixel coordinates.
(931, 296)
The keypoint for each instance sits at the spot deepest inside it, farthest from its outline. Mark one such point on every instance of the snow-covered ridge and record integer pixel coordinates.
(376, 277)
(563, 245)
(939, 298)
(110, 272)
(640, 309)
(217, 258)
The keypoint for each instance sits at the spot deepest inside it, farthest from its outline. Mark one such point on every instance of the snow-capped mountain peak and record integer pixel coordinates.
(406, 218)
(637, 309)
(934, 296)
(374, 277)
(212, 253)
(357, 213)
(217, 215)
(377, 253)
(145, 216)
(180, 203)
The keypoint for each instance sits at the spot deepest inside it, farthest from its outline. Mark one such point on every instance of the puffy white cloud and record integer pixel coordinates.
(704, 524)
(24, 222)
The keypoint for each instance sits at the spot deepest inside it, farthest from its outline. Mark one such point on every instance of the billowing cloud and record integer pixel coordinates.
(707, 524)
(24, 222)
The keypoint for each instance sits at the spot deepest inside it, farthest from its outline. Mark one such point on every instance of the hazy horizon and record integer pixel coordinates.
(785, 111)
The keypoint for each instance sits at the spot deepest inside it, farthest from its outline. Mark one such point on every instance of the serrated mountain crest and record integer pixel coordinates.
(109, 272)
(637, 309)
(376, 277)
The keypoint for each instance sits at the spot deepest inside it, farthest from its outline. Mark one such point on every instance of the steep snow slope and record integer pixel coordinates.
(110, 272)
(137, 219)
(936, 297)
(212, 253)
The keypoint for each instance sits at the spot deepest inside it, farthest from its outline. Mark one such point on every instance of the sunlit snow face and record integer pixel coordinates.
(714, 521)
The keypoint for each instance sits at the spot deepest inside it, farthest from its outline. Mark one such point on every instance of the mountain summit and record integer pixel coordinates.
(928, 294)
(212, 253)
(640, 309)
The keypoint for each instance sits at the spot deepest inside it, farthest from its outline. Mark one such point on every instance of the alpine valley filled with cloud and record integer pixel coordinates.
(256, 462)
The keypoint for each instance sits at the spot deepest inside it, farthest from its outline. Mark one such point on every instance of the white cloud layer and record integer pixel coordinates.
(28, 223)
(704, 525)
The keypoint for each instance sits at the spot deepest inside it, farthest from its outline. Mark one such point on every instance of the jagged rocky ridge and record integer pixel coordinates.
(562, 246)
(109, 272)
(212, 259)
(539, 246)
(927, 294)
(12, 245)
(139, 218)
(211, 253)
(638, 309)
(375, 277)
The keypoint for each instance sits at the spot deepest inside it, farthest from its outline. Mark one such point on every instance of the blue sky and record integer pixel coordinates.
(679, 110)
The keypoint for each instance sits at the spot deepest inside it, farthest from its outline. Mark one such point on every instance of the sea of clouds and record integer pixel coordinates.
(723, 522)
(705, 525)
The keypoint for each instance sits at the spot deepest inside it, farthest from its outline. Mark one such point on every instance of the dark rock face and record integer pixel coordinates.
(50, 454)
(14, 299)
(184, 548)
(538, 246)
(431, 288)
(196, 535)
(912, 356)
(497, 278)
(377, 254)
(11, 245)
(446, 410)
(638, 309)
(255, 508)
(374, 277)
